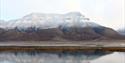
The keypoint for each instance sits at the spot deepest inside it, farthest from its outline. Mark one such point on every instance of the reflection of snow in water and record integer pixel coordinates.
(6, 62)
(116, 57)
(40, 58)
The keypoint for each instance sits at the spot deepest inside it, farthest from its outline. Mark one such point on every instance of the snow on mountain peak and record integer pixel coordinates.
(44, 21)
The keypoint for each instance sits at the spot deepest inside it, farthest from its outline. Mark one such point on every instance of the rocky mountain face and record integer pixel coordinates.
(43, 27)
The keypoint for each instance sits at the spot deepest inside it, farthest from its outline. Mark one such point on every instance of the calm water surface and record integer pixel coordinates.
(64, 57)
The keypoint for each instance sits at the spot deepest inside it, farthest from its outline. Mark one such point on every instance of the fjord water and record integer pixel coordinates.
(65, 57)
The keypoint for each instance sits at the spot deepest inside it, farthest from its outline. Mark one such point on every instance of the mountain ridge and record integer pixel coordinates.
(48, 20)
(72, 26)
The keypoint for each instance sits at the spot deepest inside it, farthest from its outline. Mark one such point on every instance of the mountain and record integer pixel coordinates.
(45, 21)
(122, 31)
(72, 26)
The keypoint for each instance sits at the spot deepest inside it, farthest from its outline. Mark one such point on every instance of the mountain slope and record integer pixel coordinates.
(45, 21)
(41, 27)
(122, 31)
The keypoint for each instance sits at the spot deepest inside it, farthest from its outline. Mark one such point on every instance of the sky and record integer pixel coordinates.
(109, 13)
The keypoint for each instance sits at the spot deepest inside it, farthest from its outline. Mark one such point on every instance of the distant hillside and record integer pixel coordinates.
(41, 27)
(122, 31)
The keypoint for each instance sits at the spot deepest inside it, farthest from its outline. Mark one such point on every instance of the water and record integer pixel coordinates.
(115, 57)
(63, 57)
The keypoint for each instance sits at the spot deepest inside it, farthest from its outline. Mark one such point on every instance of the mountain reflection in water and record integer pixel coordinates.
(65, 57)
(115, 57)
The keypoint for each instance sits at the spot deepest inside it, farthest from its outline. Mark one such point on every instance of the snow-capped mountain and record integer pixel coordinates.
(40, 26)
(3, 24)
(45, 21)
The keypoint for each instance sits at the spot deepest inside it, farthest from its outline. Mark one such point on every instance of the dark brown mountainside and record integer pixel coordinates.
(68, 33)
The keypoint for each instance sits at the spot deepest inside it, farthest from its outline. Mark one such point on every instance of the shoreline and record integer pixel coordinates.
(49, 46)
(60, 48)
